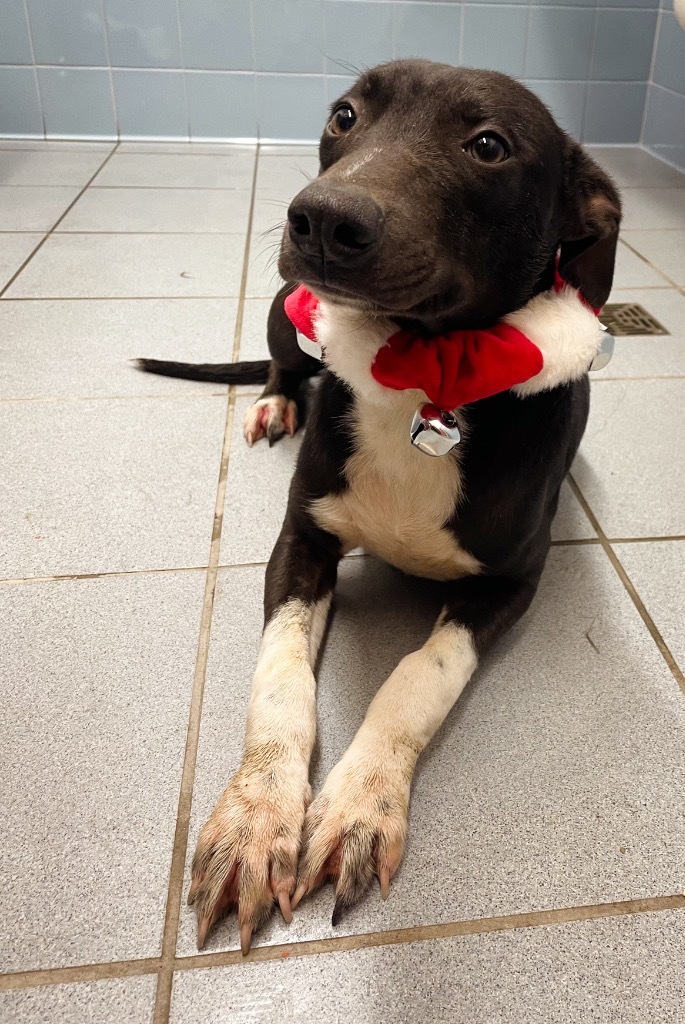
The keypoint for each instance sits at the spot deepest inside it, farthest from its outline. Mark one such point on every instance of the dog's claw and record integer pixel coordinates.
(245, 938)
(203, 926)
(299, 893)
(338, 908)
(384, 879)
(194, 886)
(284, 904)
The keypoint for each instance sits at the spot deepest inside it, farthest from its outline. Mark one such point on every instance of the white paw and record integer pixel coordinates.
(355, 828)
(270, 417)
(247, 852)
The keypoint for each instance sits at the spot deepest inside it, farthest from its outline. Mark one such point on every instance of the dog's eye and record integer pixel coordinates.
(343, 119)
(488, 148)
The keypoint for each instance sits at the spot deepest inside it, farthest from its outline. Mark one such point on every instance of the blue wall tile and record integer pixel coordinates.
(288, 36)
(559, 43)
(151, 103)
(77, 101)
(216, 34)
(623, 45)
(669, 68)
(298, 54)
(19, 102)
(221, 106)
(427, 30)
(143, 33)
(495, 38)
(336, 85)
(356, 34)
(614, 112)
(543, 3)
(15, 46)
(68, 31)
(665, 120)
(566, 100)
(651, 4)
(291, 106)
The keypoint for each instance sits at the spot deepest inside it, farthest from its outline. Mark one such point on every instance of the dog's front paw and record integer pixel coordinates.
(247, 851)
(355, 828)
(270, 417)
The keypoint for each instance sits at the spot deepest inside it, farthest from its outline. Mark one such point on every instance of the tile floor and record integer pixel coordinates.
(544, 876)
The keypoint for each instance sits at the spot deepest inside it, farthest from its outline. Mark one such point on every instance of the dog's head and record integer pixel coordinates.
(443, 198)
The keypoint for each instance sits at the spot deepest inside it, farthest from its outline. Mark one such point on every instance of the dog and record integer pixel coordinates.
(447, 200)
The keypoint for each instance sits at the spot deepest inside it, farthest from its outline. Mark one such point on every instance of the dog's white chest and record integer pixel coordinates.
(398, 498)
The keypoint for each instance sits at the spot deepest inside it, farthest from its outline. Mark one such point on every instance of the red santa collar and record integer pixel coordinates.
(467, 365)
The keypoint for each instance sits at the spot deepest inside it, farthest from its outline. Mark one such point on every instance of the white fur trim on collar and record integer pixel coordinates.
(567, 333)
(349, 340)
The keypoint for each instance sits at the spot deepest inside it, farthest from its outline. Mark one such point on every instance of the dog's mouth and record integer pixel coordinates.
(430, 310)
(419, 299)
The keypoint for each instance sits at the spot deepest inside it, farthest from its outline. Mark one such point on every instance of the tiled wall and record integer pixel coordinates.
(664, 124)
(239, 68)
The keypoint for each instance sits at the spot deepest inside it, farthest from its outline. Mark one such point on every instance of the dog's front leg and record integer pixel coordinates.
(357, 825)
(247, 851)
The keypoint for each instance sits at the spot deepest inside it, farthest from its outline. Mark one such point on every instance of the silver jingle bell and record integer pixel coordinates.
(606, 351)
(434, 431)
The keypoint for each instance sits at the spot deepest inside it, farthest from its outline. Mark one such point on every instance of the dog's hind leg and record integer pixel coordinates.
(357, 825)
(278, 409)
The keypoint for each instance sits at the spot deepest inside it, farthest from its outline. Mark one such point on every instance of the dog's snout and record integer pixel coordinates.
(342, 224)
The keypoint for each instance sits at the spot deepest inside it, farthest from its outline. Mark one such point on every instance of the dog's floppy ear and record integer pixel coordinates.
(590, 230)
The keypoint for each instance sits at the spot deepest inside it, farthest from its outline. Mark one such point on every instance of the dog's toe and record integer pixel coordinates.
(355, 829)
(270, 417)
(246, 856)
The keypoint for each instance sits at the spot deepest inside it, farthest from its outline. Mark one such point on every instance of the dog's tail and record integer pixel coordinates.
(254, 372)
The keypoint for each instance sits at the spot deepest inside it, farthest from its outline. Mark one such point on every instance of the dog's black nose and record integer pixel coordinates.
(342, 223)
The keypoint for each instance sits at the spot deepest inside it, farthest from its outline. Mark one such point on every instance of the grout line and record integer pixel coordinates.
(117, 398)
(121, 298)
(59, 220)
(571, 542)
(176, 874)
(650, 75)
(110, 76)
(586, 91)
(632, 592)
(649, 264)
(85, 972)
(644, 540)
(344, 943)
(160, 234)
(182, 61)
(425, 933)
(192, 147)
(166, 188)
(101, 575)
(574, 543)
(663, 376)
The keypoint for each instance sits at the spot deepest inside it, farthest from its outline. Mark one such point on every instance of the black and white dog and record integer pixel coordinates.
(448, 199)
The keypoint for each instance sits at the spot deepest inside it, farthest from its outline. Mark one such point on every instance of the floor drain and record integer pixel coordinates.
(624, 318)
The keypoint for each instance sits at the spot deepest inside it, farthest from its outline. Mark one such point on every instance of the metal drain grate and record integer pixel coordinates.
(625, 318)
